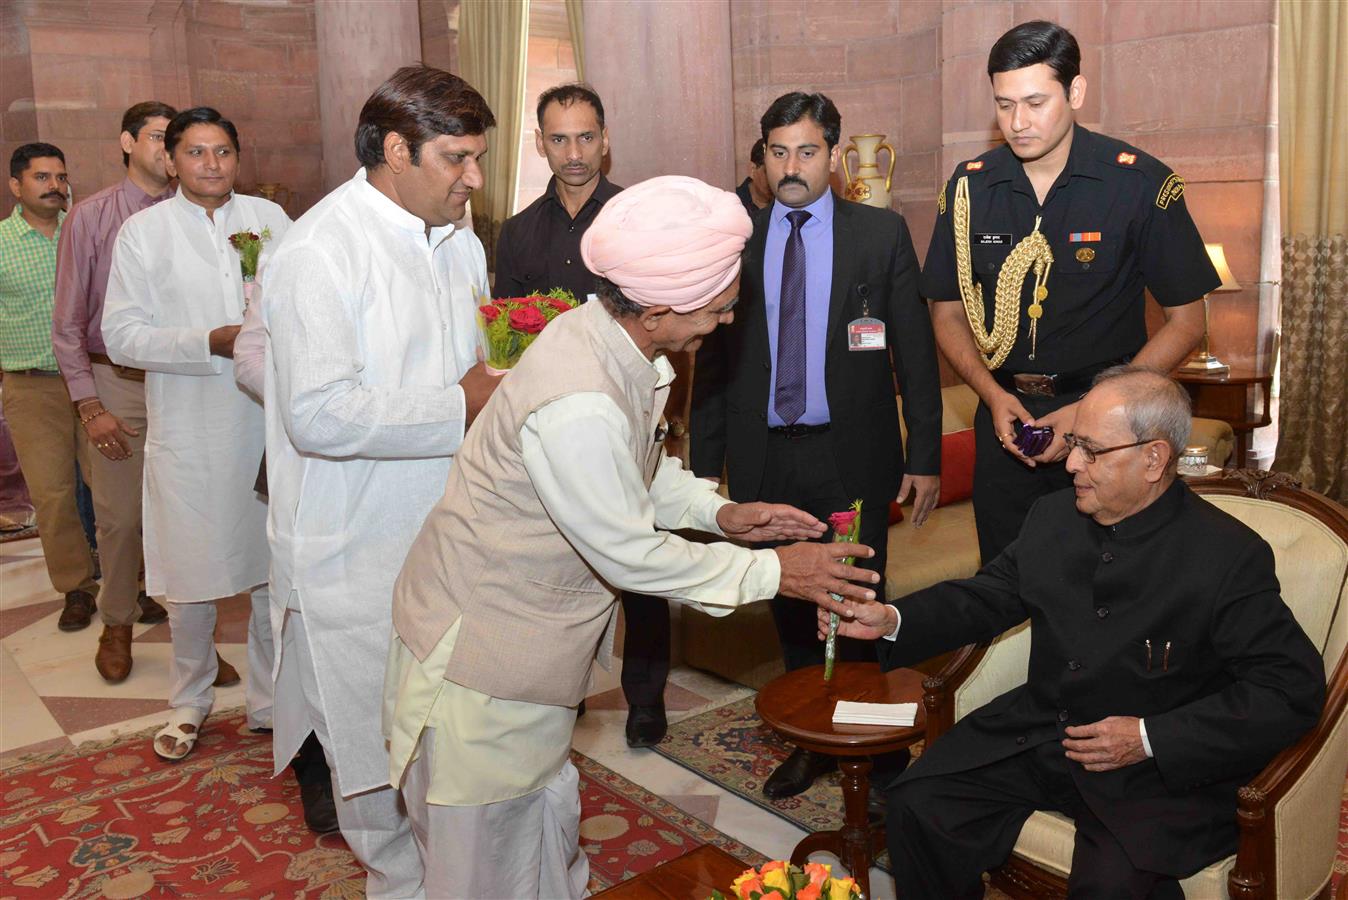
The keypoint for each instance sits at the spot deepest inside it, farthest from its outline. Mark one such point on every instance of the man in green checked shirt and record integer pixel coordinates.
(41, 418)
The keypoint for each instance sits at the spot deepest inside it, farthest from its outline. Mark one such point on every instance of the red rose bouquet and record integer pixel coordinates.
(511, 324)
(847, 530)
(778, 880)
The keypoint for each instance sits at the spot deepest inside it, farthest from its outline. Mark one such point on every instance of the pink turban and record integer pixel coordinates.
(671, 241)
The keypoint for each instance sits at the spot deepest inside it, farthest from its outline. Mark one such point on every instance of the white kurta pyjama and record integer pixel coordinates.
(371, 323)
(174, 278)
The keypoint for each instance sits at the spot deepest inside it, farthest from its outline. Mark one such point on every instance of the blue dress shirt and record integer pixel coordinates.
(817, 234)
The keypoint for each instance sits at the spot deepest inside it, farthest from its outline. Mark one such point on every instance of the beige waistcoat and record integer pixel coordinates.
(534, 615)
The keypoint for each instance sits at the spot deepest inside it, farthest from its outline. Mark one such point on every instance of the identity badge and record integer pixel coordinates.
(866, 333)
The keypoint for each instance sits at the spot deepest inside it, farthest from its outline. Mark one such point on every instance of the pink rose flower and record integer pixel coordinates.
(842, 521)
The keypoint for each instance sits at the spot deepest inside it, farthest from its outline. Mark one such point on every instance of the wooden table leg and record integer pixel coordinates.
(856, 830)
(854, 843)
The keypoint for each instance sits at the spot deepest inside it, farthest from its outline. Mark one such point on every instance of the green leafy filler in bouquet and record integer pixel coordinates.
(510, 324)
(846, 530)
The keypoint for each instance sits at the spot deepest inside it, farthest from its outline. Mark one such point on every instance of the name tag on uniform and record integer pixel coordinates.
(992, 240)
(866, 334)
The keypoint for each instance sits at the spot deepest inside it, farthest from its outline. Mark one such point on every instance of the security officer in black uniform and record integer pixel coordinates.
(1066, 228)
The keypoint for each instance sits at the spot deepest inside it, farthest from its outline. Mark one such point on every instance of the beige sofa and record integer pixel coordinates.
(743, 647)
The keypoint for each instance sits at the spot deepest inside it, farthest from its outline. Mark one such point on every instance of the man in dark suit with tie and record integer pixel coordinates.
(795, 399)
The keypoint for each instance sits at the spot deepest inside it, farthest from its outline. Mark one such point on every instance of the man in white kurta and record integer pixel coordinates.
(561, 496)
(174, 297)
(371, 383)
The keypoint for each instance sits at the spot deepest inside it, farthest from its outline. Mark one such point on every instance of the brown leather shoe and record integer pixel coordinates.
(151, 613)
(225, 674)
(113, 659)
(79, 610)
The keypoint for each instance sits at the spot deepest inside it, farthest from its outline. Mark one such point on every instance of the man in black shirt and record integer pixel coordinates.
(539, 249)
(755, 192)
(1113, 219)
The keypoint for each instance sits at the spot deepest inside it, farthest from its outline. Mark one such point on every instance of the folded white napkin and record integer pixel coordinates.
(849, 712)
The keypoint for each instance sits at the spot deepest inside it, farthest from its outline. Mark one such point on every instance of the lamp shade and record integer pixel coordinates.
(1218, 257)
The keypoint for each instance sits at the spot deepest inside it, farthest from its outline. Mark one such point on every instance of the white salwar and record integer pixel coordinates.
(174, 278)
(489, 779)
(371, 323)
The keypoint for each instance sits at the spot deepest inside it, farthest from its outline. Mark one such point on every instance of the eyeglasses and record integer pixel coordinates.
(1090, 453)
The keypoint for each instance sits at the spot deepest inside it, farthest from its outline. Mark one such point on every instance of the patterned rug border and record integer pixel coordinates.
(47, 757)
(755, 797)
(666, 810)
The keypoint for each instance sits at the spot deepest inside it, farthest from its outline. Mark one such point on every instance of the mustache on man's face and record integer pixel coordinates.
(791, 179)
(57, 194)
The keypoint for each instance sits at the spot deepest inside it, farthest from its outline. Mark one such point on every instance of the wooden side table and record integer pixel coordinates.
(1240, 398)
(799, 706)
(692, 876)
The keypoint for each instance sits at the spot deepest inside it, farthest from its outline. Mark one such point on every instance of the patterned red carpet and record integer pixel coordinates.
(117, 822)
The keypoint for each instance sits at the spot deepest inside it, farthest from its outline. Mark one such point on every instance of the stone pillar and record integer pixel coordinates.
(669, 103)
(360, 43)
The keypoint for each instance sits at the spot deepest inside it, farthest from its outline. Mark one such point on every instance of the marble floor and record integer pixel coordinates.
(51, 697)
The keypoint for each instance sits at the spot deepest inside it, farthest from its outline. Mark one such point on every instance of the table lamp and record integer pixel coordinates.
(1203, 362)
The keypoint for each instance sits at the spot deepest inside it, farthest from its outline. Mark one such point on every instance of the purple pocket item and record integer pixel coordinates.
(1034, 439)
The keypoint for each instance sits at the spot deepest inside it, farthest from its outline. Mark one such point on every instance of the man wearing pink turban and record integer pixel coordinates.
(560, 497)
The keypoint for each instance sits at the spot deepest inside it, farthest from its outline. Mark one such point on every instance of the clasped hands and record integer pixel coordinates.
(1111, 743)
(1007, 409)
(811, 570)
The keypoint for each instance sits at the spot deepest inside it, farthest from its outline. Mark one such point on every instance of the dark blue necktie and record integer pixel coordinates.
(789, 402)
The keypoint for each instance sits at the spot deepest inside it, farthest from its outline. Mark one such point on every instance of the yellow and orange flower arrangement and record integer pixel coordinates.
(778, 880)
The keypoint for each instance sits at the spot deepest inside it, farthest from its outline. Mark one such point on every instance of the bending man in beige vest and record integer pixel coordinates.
(560, 496)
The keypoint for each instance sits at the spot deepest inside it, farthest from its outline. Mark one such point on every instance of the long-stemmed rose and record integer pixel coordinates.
(846, 530)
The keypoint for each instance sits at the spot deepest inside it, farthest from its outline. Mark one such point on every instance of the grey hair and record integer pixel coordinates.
(1156, 406)
(614, 300)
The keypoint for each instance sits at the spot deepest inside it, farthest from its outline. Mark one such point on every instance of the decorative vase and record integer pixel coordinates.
(272, 190)
(868, 185)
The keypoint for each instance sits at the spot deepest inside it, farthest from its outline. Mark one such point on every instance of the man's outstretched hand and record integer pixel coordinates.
(811, 571)
(758, 522)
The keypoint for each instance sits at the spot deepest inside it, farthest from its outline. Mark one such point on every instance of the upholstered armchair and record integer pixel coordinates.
(1289, 815)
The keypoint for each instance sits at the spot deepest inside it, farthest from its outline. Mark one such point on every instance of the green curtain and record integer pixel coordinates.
(493, 45)
(1312, 114)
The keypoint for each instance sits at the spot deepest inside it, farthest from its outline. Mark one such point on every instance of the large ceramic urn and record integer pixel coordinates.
(868, 185)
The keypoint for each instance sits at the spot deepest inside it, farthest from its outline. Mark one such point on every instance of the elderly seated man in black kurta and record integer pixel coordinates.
(1165, 671)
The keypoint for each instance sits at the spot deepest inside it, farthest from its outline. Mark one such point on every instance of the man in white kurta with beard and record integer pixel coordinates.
(173, 306)
(372, 380)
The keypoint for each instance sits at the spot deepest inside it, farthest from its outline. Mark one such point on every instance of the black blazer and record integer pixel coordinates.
(1239, 682)
(874, 262)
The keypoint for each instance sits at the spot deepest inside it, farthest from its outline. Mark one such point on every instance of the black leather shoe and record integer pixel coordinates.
(320, 813)
(78, 612)
(797, 773)
(646, 726)
(876, 805)
(151, 613)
